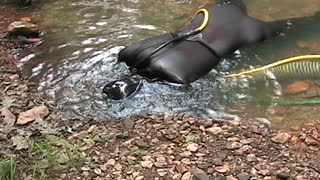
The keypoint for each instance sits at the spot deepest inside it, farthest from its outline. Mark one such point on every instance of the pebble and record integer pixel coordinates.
(201, 175)
(118, 167)
(186, 176)
(251, 157)
(128, 123)
(222, 169)
(214, 130)
(162, 172)
(139, 178)
(234, 145)
(186, 154)
(177, 176)
(111, 162)
(193, 147)
(243, 176)
(281, 138)
(147, 164)
(283, 175)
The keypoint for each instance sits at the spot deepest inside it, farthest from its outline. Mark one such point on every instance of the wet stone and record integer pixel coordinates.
(142, 144)
(283, 175)
(243, 176)
(201, 175)
(128, 123)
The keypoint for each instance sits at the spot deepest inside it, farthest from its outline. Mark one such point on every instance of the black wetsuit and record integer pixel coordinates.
(184, 61)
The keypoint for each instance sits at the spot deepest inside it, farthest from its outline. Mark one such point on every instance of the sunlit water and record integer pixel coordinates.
(82, 40)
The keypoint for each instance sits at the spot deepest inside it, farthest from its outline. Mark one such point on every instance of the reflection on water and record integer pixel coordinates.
(84, 37)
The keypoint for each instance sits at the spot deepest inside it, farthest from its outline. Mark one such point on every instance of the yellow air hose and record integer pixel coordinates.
(313, 69)
(281, 62)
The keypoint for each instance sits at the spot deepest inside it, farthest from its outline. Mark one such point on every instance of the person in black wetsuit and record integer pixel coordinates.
(189, 54)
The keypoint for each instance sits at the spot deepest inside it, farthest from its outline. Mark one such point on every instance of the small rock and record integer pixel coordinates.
(243, 176)
(162, 172)
(204, 165)
(97, 171)
(193, 147)
(22, 28)
(217, 161)
(234, 123)
(110, 162)
(168, 116)
(234, 145)
(147, 164)
(118, 167)
(139, 178)
(170, 133)
(177, 176)
(220, 178)
(128, 123)
(311, 141)
(214, 130)
(251, 157)
(297, 87)
(186, 154)
(222, 169)
(186, 176)
(201, 175)
(181, 168)
(123, 135)
(161, 162)
(142, 144)
(91, 129)
(281, 138)
(283, 175)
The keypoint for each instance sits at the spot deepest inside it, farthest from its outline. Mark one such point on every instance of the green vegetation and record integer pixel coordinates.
(189, 138)
(8, 169)
(139, 152)
(46, 155)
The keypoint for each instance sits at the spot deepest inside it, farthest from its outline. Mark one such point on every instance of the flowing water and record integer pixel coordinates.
(83, 37)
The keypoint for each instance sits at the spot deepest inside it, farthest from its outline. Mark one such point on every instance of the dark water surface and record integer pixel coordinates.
(83, 38)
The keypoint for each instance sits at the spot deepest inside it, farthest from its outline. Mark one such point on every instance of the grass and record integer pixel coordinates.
(52, 154)
(46, 157)
(190, 138)
(138, 153)
(8, 169)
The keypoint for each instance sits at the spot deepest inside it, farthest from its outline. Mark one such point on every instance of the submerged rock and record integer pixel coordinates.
(23, 28)
(297, 87)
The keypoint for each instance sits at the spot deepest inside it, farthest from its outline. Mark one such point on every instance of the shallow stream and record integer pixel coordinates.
(83, 37)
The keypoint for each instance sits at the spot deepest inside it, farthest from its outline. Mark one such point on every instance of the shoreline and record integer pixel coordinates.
(167, 146)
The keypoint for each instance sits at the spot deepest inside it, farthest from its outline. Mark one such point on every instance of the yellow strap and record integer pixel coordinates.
(284, 61)
(205, 20)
